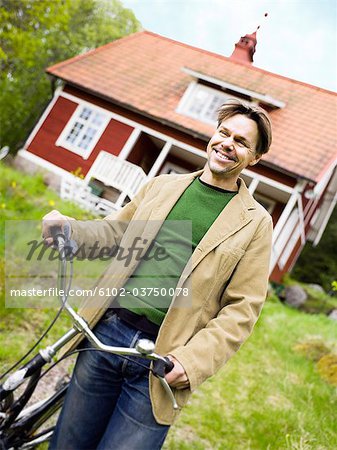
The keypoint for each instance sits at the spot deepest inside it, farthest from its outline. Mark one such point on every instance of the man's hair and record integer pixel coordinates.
(233, 106)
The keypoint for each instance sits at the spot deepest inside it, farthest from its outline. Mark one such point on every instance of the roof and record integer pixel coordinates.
(143, 72)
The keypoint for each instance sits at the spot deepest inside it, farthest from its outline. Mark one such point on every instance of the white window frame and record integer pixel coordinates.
(63, 141)
(187, 102)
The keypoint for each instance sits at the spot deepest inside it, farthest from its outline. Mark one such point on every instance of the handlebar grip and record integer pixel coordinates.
(168, 365)
(55, 230)
(162, 367)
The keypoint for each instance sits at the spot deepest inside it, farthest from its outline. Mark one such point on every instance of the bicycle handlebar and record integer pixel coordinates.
(144, 348)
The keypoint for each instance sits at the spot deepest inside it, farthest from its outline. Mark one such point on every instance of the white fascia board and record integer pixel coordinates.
(224, 84)
(320, 186)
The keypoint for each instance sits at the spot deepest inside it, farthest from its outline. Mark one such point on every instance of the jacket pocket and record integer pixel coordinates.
(182, 396)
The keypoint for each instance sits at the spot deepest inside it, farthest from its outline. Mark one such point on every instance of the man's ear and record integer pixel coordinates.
(255, 160)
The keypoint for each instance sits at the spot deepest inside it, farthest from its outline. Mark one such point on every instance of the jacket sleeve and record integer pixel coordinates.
(110, 230)
(242, 301)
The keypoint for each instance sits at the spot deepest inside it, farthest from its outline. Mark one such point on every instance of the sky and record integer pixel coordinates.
(298, 39)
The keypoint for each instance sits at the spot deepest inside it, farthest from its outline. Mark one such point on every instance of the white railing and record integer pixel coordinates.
(110, 170)
(76, 190)
(118, 173)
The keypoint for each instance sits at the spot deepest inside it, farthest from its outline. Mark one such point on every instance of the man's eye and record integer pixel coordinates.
(241, 143)
(223, 133)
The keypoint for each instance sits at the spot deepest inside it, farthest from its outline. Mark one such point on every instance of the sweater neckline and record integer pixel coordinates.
(216, 188)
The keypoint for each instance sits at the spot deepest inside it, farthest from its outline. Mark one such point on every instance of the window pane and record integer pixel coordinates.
(86, 113)
(75, 131)
(198, 101)
(216, 102)
(98, 119)
(87, 138)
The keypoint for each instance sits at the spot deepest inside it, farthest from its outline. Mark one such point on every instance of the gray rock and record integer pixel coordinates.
(316, 287)
(295, 296)
(333, 314)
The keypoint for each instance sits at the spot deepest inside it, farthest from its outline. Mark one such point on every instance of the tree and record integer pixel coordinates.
(35, 34)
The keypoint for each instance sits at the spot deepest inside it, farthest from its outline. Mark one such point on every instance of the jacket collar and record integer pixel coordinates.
(173, 189)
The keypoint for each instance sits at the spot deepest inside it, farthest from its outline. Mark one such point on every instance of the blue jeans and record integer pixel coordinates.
(108, 405)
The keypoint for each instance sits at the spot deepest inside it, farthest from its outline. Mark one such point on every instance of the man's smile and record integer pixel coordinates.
(223, 156)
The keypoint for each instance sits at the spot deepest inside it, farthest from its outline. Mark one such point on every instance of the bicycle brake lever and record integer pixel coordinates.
(160, 369)
(169, 392)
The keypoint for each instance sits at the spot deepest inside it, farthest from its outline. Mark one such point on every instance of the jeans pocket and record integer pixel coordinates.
(109, 317)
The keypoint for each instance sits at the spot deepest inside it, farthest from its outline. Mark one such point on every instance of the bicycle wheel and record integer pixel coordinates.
(34, 425)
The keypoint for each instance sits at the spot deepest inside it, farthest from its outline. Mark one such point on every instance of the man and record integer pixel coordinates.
(113, 404)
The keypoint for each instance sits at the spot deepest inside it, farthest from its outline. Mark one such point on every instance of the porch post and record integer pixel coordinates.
(159, 161)
(281, 223)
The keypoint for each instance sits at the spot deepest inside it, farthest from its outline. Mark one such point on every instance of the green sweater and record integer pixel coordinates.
(186, 224)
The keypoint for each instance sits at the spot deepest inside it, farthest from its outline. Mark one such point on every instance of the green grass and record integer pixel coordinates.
(268, 397)
(25, 198)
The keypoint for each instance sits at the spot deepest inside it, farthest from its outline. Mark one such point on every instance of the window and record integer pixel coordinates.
(83, 130)
(202, 102)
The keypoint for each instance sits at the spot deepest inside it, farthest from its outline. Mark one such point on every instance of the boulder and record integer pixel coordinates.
(316, 287)
(333, 314)
(295, 296)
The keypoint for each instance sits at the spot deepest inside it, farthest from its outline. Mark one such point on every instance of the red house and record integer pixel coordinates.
(145, 105)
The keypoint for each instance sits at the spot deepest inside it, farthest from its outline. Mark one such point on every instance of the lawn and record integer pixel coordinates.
(271, 395)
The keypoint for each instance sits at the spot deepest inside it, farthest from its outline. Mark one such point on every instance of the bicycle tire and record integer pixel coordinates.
(27, 431)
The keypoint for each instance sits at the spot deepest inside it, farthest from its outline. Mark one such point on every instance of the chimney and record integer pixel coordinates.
(245, 48)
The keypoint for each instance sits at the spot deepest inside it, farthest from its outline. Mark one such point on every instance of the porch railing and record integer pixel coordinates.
(117, 173)
(125, 177)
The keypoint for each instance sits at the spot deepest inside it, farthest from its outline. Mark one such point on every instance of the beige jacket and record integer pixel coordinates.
(227, 273)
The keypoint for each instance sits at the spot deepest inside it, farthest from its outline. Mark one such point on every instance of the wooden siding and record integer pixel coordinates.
(43, 144)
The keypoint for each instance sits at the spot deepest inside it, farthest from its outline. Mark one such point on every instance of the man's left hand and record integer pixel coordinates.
(177, 378)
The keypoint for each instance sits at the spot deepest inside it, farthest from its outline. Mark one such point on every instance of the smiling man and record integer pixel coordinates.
(111, 404)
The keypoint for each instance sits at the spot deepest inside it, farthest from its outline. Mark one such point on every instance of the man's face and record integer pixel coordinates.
(233, 146)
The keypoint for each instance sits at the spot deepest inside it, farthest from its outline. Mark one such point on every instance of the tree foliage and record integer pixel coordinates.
(319, 264)
(35, 34)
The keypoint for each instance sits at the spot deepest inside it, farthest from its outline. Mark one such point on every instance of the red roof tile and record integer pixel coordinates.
(144, 71)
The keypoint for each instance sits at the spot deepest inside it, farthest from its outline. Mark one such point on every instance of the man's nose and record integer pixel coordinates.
(228, 143)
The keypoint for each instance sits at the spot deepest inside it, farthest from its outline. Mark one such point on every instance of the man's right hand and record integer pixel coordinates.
(52, 219)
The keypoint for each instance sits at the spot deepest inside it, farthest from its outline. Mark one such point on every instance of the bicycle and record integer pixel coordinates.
(24, 427)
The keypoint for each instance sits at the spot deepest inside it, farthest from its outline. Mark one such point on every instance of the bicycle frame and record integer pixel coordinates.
(19, 424)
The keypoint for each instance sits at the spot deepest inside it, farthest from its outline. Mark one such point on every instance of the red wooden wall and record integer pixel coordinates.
(43, 144)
